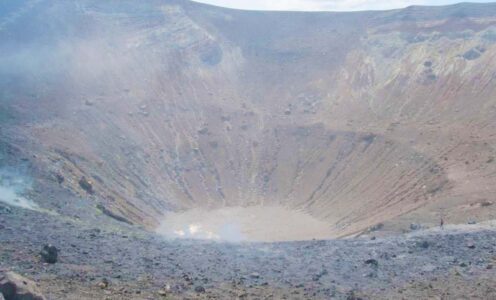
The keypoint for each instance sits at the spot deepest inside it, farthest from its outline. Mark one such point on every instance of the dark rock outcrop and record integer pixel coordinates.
(114, 216)
(86, 185)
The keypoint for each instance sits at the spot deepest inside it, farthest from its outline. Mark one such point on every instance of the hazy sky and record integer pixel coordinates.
(318, 5)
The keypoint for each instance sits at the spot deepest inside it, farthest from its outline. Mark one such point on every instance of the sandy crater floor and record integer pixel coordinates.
(235, 224)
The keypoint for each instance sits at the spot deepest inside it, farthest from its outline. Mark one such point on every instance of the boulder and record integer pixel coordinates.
(471, 54)
(423, 244)
(49, 254)
(415, 226)
(60, 178)
(16, 287)
(372, 262)
(103, 284)
(86, 185)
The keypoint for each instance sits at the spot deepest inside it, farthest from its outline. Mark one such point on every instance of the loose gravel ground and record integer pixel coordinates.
(454, 262)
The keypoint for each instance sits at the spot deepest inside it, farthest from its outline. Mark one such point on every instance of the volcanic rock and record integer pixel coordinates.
(103, 284)
(49, 254)
(415, 226)
(16, 287)
(372, 262)
(86, 185)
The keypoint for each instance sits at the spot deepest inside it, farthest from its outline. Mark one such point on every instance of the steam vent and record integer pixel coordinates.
(172, 149)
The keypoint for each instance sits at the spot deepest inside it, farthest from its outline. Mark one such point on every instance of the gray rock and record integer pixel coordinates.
(5, 210)
(203, 130)
(199, 289)
(423, 244)
(14, 286)
(372, 262)
(471, 54)
(415, 226)
(60, 178)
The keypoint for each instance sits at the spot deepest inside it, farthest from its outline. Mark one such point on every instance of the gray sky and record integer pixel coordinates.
(333, 5)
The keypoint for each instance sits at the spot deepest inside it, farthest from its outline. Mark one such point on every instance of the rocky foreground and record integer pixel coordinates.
(105, 259)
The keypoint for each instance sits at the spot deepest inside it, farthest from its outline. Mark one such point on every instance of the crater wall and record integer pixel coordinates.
(353, 118)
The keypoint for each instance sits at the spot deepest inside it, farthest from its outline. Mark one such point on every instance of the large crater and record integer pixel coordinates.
(185, 118)
(298, 183)
(242, 182)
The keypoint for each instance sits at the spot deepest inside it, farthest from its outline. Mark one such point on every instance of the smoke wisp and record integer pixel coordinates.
(12, 187)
